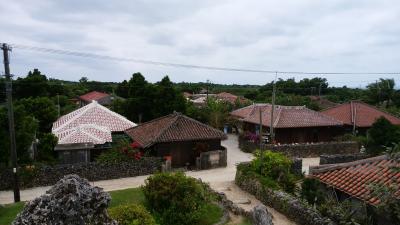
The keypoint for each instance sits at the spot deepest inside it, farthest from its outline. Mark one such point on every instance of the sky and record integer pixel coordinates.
(285, 35)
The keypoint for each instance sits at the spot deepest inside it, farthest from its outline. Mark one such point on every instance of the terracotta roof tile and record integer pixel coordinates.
(174, 127)
(94, 95)
(365, 115)
(354, 178)
(285, 116)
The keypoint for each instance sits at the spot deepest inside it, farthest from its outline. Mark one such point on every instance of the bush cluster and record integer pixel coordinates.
(175, 198)
(132, 214)
(275, 167)
(123, 151)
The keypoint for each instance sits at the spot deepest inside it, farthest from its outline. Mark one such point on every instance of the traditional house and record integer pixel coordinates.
(100, 97)
(291, 124)
(231, 98)
(83, 133)
(354, 181)
(178, 137)
(358, 116)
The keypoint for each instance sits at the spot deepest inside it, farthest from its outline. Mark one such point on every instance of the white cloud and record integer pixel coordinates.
(287, 35)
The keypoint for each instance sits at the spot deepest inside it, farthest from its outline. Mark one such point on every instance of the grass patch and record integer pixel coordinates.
(127, 196)
(9, 212)
(212, 214)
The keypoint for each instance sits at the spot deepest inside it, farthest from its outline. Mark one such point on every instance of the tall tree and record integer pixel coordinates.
(33, 85)
(381, 91)
(42, 109)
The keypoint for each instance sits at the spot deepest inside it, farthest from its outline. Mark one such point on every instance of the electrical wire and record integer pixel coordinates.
(187, 66)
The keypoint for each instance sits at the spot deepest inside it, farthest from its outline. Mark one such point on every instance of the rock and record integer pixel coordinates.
(261, 216)
(72, 200)
(243, 201)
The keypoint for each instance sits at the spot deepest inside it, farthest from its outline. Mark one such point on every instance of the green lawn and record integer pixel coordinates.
(8, 212)
(121, 197)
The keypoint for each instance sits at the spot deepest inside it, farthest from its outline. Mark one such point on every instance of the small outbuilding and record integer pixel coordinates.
(181, 139)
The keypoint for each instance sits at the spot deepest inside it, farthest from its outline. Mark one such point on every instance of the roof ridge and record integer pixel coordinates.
(202, 124)
(83, 110)
(176, 116)
(330, 167)
(114, 113)
(150, 121)
(374, 107)
(325, 116)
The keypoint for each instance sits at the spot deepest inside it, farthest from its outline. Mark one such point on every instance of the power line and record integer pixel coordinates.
(188, 66)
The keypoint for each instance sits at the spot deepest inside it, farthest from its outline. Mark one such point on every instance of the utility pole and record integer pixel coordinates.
(271, 127)
(260, 128)
(319, 90)
(13, 148)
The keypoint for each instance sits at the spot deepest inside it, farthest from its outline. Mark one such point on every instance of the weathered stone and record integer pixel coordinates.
(261, 216)
(72, 200)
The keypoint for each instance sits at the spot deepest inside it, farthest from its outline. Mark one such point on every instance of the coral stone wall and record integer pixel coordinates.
(294, 208)
(304, 150)
(34, 176)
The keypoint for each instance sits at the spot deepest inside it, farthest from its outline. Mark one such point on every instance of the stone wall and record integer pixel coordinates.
(212, 159)
(297, 166)
(294, 208)
(342, 158)
(303, 150)
(49, 175)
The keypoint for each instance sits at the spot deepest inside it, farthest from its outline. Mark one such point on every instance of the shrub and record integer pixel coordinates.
(131, 214)
(382, 134)
(121, 152)
(175, 198)
(275, 166)
(311, 192)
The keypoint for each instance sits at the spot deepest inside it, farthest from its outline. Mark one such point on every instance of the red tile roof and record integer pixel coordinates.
(91, 123)
(365, 115)
(285, 116)
(355, 178)
(171, 128)
(94, 95)
(231, 98)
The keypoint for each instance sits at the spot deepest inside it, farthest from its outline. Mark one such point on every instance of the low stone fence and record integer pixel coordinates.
(294, 208)
(212, 159)
(303, 150)
(48, 175)
(342, 158)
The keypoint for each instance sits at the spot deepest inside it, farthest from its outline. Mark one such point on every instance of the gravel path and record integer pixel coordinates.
(221, 179)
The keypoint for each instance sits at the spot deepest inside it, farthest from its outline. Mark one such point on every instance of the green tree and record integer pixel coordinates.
(45, 148)
(167, 99)
(42, 108)
(33, 85)
(381, 91)
(25, 128)
(381, 135)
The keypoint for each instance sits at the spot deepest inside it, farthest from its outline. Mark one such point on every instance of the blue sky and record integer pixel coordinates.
(287, 35)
